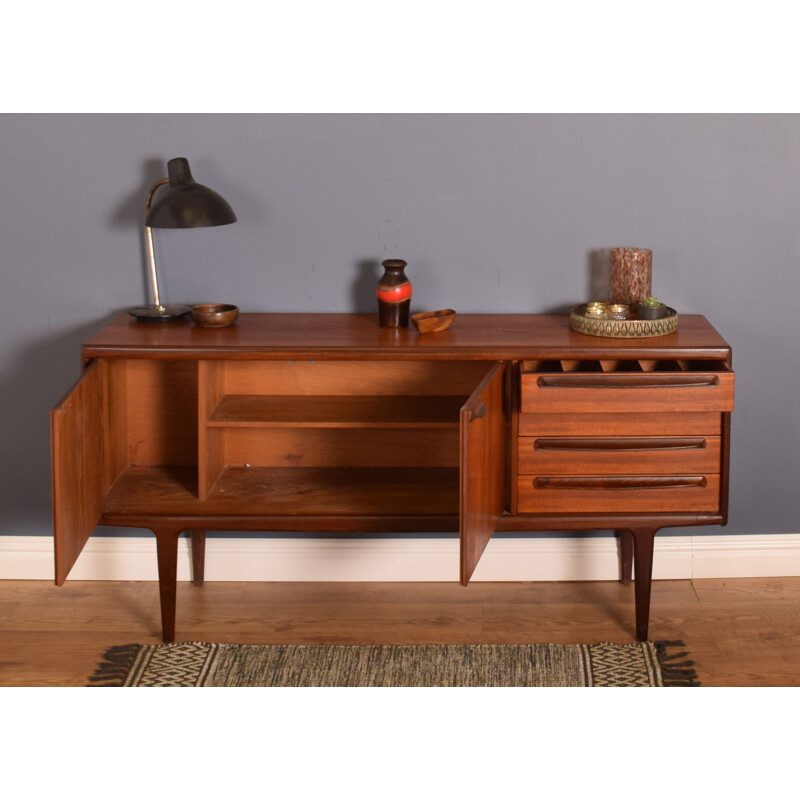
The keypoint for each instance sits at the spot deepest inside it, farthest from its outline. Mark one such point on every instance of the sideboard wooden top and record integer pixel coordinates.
(358, 336)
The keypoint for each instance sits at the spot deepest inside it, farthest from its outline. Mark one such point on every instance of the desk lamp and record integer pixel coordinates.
(183, 204)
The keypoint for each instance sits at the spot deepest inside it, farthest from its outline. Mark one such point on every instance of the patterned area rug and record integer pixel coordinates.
(204, 664)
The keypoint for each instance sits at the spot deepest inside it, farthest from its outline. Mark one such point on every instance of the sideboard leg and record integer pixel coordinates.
(643, 539)
(167, 550)
(625, 547)
(198, 557)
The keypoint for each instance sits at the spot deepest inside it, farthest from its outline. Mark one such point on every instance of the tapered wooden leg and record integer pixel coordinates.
(625, 545)
(643, 539)
(198, 557)
(167, 550)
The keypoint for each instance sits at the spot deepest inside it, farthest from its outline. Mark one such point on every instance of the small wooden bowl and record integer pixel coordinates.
(433, 321)
(214, 315)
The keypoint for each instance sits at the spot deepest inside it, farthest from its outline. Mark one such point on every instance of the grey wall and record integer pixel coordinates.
(493, 213)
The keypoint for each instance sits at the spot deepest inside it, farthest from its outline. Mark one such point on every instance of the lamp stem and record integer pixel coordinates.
(150, 250)
(153, 274)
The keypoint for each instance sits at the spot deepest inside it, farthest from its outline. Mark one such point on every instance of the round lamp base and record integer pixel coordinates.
(159, 313)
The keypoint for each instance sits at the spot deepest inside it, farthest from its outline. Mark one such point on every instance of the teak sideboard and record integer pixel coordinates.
(329, 423)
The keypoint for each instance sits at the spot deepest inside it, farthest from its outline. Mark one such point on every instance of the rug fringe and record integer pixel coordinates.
(674, 671)
(116, 666)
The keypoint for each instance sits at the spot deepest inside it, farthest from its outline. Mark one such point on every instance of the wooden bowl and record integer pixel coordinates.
(214, 315)
(433, 321)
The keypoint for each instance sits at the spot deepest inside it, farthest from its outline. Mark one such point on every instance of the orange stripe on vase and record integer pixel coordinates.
(395, 294)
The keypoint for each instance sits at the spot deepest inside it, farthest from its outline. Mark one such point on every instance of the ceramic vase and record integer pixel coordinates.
(394, 295)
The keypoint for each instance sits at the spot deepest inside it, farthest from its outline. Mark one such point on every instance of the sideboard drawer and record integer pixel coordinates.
(675, 423)
(626, 392)
(571, 494)
(618, 455)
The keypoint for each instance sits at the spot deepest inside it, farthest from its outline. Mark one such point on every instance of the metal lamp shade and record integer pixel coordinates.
(184, 203)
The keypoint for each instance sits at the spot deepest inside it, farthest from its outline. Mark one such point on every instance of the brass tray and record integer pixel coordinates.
(622, 328)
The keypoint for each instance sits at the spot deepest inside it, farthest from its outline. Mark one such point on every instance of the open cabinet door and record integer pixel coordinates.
(81, 468)
(483, 464)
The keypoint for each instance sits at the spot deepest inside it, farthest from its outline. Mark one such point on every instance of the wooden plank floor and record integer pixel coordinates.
(740, 632)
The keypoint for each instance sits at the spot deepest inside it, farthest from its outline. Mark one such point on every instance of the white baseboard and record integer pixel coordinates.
(331, 559)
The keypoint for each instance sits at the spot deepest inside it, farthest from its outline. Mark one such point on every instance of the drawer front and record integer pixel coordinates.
(617, 494)
(618, 455)
(626, 392)
(708, 423)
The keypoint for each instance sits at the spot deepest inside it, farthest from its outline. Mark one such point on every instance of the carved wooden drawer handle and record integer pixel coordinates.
(633, 482)
(619, 444)
(626, 381)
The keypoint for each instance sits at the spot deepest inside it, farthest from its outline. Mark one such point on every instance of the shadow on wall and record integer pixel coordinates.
(39, 377)
(599, 273)
(368, 272)
(130, 212)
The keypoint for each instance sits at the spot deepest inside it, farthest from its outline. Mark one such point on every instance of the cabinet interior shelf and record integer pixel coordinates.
(295, 491)
(337, 411)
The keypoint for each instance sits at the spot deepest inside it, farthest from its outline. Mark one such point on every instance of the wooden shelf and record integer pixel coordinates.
(336, 411)
(141, 492)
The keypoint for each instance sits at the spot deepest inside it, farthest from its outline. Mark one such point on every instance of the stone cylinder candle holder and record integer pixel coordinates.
(631, 275)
